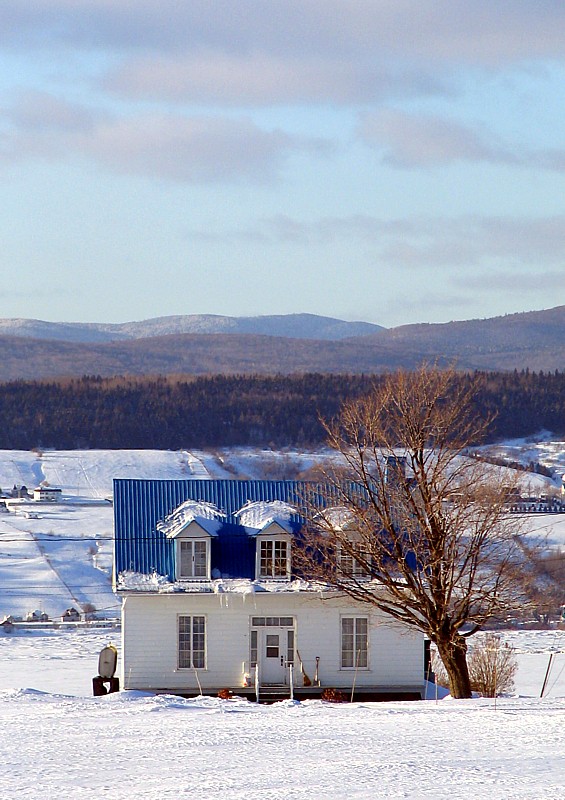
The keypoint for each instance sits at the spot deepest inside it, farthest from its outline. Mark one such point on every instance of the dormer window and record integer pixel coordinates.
(192, 526)
(274, 561)
(351, 558)
(193, 558)
(273, 554)
(349, 565)
(270, 524)
(193, 553)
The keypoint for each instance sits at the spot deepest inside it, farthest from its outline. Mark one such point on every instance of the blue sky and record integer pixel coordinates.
(393, 161)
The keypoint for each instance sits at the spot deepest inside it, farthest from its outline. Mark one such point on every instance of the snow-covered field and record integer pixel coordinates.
(542, 449)
(57, 739)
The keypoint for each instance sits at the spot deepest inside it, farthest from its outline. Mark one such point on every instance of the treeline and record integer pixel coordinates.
(223, 410)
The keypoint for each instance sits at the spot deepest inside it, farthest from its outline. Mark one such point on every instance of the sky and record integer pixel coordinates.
(392, 161)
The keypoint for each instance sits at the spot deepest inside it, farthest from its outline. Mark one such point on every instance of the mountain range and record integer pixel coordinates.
(295, 326)
(295, 343)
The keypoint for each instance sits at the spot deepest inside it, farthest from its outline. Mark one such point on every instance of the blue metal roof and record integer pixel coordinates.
(140, 504)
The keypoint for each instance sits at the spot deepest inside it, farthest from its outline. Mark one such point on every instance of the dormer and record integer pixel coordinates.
(269, 523)
(351, 557)
(192, 526)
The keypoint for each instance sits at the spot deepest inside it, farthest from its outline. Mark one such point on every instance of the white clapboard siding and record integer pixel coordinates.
(149, 641)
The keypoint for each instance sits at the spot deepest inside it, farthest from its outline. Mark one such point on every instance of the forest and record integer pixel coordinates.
(174, 412)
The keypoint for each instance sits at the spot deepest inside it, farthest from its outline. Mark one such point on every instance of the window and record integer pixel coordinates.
(253, 649)
(290, 647)
(192, 558)
(192, 642)
(272, 645)
(272, 622)
(349, 566)
(354, 653)
(273, 559)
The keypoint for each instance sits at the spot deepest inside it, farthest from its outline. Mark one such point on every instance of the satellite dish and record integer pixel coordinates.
(107, 662)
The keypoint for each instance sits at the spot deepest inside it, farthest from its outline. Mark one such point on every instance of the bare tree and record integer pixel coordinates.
(418, 529)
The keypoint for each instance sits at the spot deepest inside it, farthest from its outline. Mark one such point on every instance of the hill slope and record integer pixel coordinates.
(533, 340)
(294, 326)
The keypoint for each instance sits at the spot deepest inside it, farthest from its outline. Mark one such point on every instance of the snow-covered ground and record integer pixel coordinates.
(58, 739)
(543, 449)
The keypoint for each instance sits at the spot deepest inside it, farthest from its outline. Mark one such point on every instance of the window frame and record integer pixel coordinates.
(357, 636)
(184, 540)
(193, 632)
(348, 564)
(273, 540)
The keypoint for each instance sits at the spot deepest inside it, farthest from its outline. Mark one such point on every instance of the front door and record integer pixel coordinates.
(275, 648)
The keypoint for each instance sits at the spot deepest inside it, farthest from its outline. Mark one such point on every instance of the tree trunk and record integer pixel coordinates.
(453, 653)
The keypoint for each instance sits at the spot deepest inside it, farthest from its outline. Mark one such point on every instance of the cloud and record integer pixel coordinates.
(190, 149)
(39, 111)
(262, 79)
(287, 51)
(481, 33)
(417, 243)
(515, 281)
(195, 149)
(421, 140)
(478, 241)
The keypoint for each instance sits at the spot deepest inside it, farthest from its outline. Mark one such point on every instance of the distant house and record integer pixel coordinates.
(70, 615)
(47, 494)
(212, 601)
(37, 616)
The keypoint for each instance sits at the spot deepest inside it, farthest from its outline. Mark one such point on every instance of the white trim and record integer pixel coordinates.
(180, 540)
(192, 668)
(357, 571)
(278, 537)
(354, 667)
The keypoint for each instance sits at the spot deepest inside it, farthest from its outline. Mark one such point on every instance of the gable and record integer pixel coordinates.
(271, 528)
(195, 528)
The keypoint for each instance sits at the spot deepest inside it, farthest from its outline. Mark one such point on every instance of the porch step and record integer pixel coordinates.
(274, 688)
(270, 693)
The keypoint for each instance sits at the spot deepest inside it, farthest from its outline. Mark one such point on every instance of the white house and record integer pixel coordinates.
(211, 600)
(47, 494)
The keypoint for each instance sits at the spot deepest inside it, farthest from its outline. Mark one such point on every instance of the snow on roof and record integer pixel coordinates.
(139, 582)
(206, 514)
(337, 517)
(259, 515)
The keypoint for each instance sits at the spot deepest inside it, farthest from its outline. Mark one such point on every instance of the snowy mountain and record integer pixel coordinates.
(285, 344)
(294, 326)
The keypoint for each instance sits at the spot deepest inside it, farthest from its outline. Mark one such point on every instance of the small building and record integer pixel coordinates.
(37, 616)
(47, 494)
(212, 601)
(70, 615)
